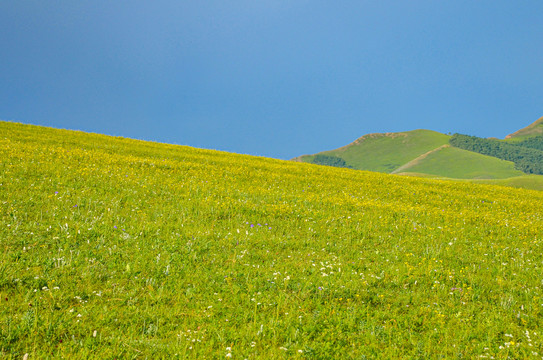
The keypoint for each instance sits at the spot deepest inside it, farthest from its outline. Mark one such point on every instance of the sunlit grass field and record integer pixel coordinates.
(113, 248)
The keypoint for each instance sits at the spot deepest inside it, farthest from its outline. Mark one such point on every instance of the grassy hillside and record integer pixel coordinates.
(534, 129)
(387, 152)
(456, 163)
(428, 154)
(528, 160)
(117, 248)
(534, 182)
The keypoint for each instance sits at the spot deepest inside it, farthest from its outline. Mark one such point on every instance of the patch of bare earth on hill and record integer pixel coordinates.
(417, 160)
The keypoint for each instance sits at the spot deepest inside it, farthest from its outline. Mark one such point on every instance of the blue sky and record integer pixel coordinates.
(276, 78)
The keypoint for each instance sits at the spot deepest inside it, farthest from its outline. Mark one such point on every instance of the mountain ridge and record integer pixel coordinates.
(534, 129)
(423, 152)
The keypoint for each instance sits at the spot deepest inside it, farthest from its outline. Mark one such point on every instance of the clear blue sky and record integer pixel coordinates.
(276, 78)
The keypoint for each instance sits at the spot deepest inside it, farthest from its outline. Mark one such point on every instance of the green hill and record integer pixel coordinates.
(386, 152)
(113, 248)
(450, 162)
(426, 153)
(528, 160)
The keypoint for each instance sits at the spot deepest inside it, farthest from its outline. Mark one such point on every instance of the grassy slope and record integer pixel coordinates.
(534, 182)
(456, 163)
(531, 182)
(534, 129)
(419, 153)
(116, 248)
(386, 152)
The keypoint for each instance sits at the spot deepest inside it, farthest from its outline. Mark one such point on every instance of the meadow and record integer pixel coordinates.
(112, 248)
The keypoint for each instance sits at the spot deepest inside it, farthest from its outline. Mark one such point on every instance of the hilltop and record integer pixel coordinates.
(534, 129)
(119, 248)
(388, 151)
(427, 153)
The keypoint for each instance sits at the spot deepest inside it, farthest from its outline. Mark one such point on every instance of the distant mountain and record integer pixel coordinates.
(385, 152)
(429, 153)
(534, 129)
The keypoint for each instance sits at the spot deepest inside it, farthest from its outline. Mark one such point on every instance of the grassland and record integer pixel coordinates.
(426, 153)
(118, 248)
(456, 163)
(534, 182)
(387, 152)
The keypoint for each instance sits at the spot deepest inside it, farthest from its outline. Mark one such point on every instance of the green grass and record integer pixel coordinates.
(114, 248)
(456, 163)
(530, 182)
(534, 182)
(425, 153)
(387, 152)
